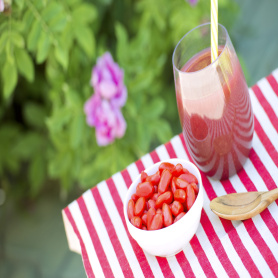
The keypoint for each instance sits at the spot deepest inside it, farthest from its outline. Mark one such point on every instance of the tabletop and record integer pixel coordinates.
(96, 227)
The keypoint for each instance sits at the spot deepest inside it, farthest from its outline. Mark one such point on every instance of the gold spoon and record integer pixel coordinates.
(240, 206)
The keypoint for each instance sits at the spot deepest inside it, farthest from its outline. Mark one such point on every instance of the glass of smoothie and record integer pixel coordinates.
(213, 103)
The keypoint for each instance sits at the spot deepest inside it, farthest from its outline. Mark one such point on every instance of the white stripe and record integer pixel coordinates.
(266, 235)
(178, 147)
(264, 120)
(133, 171)
(120, 184)
(253, 251)
(81, 226)
(225, 240)
(265, 158)
(269, 94)
(175, 266)
(147, 160)
(221, 233)
(249, 243)
(157, 272)
(210, 253)
(102, 232)
(119, 229)
(193, 261)
(256, 178)
(162, 152)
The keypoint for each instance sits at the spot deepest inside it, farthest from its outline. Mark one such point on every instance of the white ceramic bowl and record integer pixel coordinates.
(171, 240)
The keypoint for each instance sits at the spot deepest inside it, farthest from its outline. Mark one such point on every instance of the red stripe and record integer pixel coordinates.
(254, 234)
(233, 235)
(262, 246)
(112, 234)
(273, 83)
(266, 142)
(202, 257)
(165, 268)
(95, 239)
(140, 255)
(208, 228)
(170, 150)
(86, 262)
(267, 178)
(164, 265)
(266, 215)
(217, 245)
(251, 228)
(139, 165)
(126, 178)
(154, 156)
(266, 106)
(185, 265)
(240, 249)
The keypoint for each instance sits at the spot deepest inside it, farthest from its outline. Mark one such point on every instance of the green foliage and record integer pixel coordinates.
(47, 51)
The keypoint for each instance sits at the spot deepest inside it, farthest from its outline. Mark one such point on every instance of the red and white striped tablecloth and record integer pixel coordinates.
(220, 248)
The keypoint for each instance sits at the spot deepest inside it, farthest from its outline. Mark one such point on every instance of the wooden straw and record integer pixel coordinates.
(214, 29)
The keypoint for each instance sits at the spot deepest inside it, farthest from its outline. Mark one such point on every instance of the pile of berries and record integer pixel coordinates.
(163, 198)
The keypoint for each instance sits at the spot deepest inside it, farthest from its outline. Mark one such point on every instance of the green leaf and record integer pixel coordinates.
(28, 145)
(33, 37)
(43, 47)
(34, 114)
(20, 4)
(60, 164)
(162, 130)
(84, 13)
(76, 131)
(17, 39)
(58, 23)
(61, 117)
(154, 109)
(9, 78)
(122, 42)
(24, 64)
(3, 39)
(86, 40)
(73, 97)
(143, 137)
(27, 20)
(51, 10)
(62, 56)
(37, 173)
(89, 178)
(72, 2)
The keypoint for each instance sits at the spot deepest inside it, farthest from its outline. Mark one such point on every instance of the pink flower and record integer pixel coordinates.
(108, 80)
(2, 6)
(103, 108)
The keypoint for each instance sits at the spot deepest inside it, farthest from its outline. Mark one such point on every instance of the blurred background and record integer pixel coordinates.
(48, 154)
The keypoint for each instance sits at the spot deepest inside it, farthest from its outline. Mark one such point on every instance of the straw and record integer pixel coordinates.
(214, 29)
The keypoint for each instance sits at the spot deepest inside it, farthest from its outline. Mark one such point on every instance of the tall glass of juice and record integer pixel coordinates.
(213, 102)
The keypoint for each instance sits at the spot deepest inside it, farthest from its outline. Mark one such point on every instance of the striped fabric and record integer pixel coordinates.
(220, 248)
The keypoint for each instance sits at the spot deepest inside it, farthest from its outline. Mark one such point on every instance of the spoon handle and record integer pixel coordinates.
(270, 196)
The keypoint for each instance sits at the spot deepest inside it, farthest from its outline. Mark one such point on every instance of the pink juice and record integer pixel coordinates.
(217, 126)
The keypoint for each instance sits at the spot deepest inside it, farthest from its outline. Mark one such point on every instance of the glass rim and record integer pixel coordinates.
(211, 64)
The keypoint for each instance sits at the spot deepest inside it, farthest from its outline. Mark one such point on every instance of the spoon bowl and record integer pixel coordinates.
(241, 206)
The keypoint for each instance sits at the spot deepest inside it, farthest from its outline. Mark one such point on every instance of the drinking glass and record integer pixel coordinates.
(213, 103)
